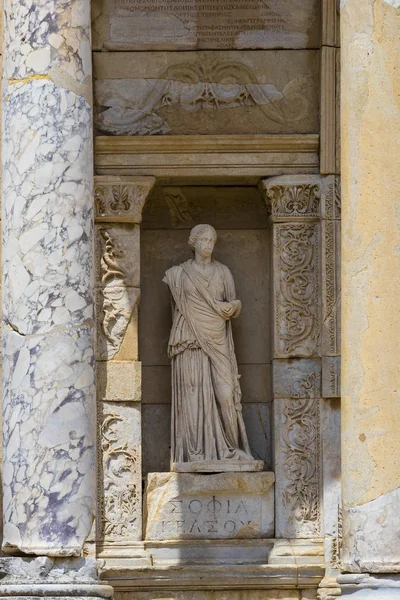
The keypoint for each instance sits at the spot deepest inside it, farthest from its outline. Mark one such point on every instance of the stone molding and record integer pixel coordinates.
(201, 156)
(46, 577)
(328, 111)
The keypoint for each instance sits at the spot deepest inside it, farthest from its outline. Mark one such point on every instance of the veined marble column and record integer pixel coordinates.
(49, 471)
(371, 284)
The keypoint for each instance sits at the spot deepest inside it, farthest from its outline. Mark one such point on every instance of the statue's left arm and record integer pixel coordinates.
(235, 307)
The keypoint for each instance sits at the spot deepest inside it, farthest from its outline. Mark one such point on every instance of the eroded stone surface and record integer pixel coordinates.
(173, 25)
(181, 93)
(193, 506)
(371, 279)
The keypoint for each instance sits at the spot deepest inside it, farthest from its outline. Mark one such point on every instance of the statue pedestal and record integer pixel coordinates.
(218, 466)
(191, 506)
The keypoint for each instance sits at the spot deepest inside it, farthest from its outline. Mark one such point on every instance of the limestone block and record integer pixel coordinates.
(119, 381)
(116, 309)
(297, 467)
(117, 255)
(296, 378)
(371, 280)
(365, 586)
(375, 526)
(171, 25)
(181, 93)
(225, 505)
(332, 512)
(226, 207)
(120, 477)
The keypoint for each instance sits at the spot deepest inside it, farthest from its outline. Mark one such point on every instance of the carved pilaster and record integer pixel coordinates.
(294, 203)
(305, 213)
(297, 407)
(119, 204)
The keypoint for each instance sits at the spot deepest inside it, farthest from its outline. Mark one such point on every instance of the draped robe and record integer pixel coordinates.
(207, 421)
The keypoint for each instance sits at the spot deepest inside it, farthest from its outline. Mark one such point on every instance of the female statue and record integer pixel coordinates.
(207, 422)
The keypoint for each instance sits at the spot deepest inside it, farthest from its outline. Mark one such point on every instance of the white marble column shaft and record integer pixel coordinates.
(371, 286)
(49, 483)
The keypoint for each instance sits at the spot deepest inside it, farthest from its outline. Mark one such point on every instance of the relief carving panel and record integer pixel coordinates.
(296, 294)
(298, 465)
(120, 504)
(206, 93)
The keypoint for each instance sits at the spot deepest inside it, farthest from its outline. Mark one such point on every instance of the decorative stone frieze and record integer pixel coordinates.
(297, 467)
(120, 487)
(296, 289)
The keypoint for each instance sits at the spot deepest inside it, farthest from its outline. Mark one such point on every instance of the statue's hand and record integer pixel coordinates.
(230, 310)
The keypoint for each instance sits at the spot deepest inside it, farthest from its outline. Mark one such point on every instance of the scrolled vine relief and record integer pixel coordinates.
(120, 476)
(301, 466)
(297, 318)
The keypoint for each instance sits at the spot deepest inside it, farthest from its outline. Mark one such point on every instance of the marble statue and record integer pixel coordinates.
(207, 421)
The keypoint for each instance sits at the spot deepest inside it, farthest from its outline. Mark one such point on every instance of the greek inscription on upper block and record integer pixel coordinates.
(213, 24)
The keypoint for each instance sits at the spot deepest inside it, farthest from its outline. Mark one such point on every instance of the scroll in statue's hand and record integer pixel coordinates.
(230, 310)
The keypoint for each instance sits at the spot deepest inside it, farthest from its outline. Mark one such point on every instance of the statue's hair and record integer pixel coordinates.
(196, 231)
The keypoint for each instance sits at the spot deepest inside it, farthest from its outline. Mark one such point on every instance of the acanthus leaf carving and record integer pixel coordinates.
(292, 201)
(121, 202)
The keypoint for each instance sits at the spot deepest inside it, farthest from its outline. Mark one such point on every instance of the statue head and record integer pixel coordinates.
(202, 240)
